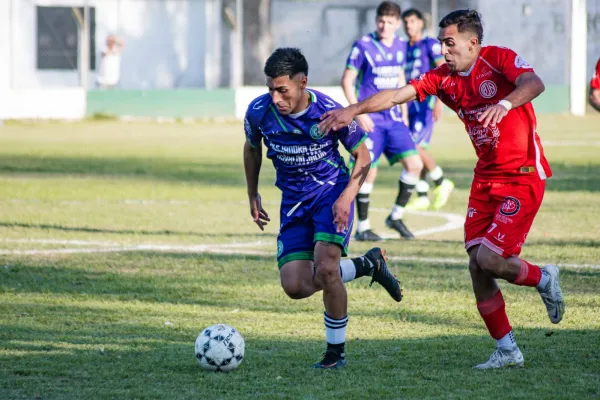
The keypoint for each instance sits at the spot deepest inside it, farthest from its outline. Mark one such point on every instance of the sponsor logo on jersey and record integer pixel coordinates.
(399, 57)
(247, 128)
(485, 72)
(503, 219)
(355, 53)
(520, 63)
(471, 212)
(488, 89)
(329, 103)
(378, 57)
(500, 237)
(314, 132)
(482, 136)
(510, 206)
(390, 56)
(352, 127)
(297, 131)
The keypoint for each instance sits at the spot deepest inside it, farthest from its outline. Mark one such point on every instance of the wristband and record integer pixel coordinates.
(506, 104)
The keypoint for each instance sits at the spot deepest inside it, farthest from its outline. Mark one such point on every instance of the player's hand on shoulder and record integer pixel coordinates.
(493, 115)
(335, 120)
(259, 215)
(365, 122)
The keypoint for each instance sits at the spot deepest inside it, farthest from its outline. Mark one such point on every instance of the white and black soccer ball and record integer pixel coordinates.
(219, 348)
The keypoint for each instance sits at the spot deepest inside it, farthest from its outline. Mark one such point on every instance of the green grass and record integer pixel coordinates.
(92, 324)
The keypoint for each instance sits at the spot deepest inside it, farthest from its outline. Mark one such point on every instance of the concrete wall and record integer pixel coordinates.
(165, 42)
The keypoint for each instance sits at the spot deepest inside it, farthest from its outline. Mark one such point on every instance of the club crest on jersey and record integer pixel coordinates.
(314, 132)
(279, 248)
(488, 89)
(510, 206)
(417, 53)
(520, 63)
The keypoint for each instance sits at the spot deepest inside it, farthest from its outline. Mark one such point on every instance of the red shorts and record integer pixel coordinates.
(500, 215)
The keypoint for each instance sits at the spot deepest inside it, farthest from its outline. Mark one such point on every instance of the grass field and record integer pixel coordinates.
(119, 242)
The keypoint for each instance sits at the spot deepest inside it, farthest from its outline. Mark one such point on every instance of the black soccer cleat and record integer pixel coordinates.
(332, 359)
(382, 275)
(398, 226)
(367, 236)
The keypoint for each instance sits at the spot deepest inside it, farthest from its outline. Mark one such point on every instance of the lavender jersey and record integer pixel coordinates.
(307, 162)
(420, 58)
(378, 68)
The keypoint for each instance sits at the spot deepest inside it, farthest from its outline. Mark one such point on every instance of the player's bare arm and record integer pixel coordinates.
(383, 100)
(529, 86)
(348, 82)
(341, 208)
(594, 99)
(403, 106)
(252, 163)
(438, 108)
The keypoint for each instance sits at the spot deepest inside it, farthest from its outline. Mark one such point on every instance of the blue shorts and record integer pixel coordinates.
(304, 223)
(390, 137)
(420, 117)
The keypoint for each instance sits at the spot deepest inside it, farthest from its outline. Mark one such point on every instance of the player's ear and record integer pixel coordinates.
(473, 42)
(303, 82)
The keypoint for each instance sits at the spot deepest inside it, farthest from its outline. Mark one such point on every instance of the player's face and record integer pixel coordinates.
(287, 92)
(460, 49)
(413, 26)
(387, 26)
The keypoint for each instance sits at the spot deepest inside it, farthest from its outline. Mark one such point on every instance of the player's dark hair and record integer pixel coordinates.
(286, 61)
(412, 12)
(389, 9)
(465, 20)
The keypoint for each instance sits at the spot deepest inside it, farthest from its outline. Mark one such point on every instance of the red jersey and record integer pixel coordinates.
(595, 83)
(511, 151)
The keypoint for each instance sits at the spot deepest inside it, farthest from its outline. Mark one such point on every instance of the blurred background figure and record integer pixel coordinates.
(110, 63)
(595, 88)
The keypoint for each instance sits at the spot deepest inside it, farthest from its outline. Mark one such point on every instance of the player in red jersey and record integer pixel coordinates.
(595, 88)
(490, 88)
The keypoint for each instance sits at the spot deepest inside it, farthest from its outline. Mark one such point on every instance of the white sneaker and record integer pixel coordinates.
(502, 358)
(419, 203)
(552, 295)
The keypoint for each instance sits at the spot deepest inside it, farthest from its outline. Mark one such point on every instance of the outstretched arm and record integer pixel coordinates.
(342, 206)
(529, 86)
(252, 163)
(386, 99)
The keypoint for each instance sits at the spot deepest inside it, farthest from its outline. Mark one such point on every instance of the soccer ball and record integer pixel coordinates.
(219, 348)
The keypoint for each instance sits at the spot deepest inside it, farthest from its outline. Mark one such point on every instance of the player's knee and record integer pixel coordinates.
(489, 261)
(414, 165)
(294, 289)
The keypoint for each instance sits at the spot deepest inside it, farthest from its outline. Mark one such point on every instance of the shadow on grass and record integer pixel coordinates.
(142, 232)
(567, 177)
(102, 362)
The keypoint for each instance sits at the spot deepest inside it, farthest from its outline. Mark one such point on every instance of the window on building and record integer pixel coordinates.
(58, 37)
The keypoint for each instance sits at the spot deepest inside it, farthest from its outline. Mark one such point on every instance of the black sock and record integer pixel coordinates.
(362, 206)
(422, 194)
(404, 192)
(438, 182)
(337, 348)
(363, 267)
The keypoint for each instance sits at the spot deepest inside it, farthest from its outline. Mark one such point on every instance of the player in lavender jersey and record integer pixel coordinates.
(317, 194)
(376, 63)
(423, 54)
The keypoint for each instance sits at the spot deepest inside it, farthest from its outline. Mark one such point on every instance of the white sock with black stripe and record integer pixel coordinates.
(335, 329)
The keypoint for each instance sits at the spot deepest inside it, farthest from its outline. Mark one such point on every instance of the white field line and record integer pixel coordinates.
(241, 249)
(453, 221)
(570, 143)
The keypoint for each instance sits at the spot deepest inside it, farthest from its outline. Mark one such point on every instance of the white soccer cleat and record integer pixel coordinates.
(420, 203)
(552, 295)
(502, 358)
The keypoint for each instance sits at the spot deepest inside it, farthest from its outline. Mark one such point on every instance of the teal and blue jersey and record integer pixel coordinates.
(378, 67)
(307, 162)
